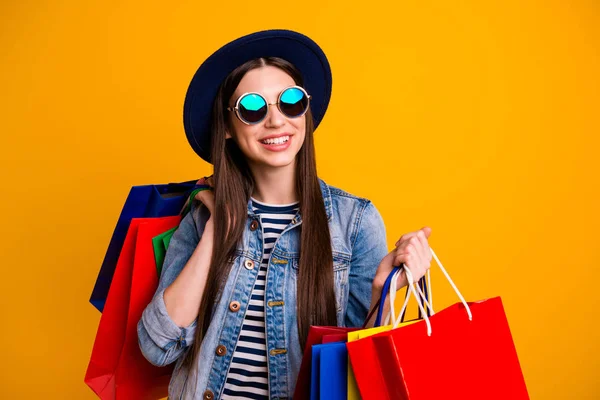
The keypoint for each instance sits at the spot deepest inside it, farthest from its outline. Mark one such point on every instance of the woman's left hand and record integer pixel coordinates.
(412, 250)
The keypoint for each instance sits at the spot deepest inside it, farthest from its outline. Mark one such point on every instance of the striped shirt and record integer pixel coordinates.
(248, 376)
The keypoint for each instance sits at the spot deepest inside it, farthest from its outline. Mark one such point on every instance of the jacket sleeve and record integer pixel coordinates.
(160, 339)
(370, 247)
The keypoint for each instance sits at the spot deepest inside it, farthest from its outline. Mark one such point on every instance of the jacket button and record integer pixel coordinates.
(221, 350)
(249, 264)
(254, 225)
(234, 306)
(208, 395)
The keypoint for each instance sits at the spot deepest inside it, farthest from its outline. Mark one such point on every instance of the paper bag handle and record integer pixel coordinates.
(419, 294)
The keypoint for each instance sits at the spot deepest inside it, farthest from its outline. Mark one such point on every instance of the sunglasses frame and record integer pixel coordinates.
(237, 105)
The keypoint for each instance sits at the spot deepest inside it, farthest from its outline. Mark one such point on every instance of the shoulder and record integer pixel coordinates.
(354, 221)
(351, 210)
(343, 195)
(344, 200)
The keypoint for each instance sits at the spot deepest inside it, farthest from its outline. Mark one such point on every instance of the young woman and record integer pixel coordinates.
(271, 249)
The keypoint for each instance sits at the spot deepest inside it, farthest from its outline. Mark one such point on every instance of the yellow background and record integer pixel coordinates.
(479, 119)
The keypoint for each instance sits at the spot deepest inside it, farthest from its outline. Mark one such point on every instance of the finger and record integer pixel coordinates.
(414, 273)
(207, 198)
(390, 261)
(413, 259)
(405, 245)
(427, 231)
(411, 265)
(414, 246)
(424, 249)
(399, 260)
(210, 181)
(404, 238)
(207, 180)
(418, 251)
(399, 241)
(403, 258)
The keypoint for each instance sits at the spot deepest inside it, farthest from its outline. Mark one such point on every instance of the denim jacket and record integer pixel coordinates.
(358, 241)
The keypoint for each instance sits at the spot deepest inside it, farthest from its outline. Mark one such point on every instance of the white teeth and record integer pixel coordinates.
(279, 140)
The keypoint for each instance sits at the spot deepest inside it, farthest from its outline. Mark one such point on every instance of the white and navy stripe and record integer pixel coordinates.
(248, 376)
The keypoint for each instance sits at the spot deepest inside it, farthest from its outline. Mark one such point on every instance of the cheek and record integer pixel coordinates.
(244, 135)
(300, 127)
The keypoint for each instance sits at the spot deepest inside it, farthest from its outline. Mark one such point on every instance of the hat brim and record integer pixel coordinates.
(291, 46)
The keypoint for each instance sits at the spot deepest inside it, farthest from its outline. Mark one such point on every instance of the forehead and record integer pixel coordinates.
(268, 81)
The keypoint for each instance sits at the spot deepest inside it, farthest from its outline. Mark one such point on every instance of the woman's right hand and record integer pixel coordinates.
(207, 197)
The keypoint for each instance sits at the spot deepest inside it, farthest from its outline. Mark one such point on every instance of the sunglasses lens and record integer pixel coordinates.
(252, 108)
(293, 102)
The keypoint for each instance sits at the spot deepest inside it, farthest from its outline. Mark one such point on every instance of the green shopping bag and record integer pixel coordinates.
(161, 242)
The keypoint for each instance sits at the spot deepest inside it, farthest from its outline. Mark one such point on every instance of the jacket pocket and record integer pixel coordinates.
(341, 270)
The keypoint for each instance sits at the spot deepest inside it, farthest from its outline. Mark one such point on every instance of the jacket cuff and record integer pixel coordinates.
(161, 328)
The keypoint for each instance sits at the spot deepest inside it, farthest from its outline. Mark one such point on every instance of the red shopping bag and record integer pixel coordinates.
(461, 359)
(315, 336)
(117, 368)
(365, 365)
(333, 338)
(365, 378)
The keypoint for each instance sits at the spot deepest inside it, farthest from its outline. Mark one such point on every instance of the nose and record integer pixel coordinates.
(274, 119)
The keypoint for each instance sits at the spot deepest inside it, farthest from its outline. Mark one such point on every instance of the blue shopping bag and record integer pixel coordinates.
(147, 201)
(329, 372)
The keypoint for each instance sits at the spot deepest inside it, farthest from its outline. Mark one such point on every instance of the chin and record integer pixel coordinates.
(278, 163)
(277, 160)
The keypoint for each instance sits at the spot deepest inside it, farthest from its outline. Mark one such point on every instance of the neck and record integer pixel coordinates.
(275, 185)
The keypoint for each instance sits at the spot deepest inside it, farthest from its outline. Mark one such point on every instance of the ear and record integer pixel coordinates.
(227, 135)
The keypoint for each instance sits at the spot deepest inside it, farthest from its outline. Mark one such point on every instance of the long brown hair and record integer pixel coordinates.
(233, 187)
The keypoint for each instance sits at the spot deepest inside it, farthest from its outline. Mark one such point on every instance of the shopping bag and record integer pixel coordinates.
(315, 336)
(117, 368)
(161, 242)
(336, 337)
(363, 367)
(352, 384)
(328, 372)
(142, 202)
(465, 351)
(365, 378)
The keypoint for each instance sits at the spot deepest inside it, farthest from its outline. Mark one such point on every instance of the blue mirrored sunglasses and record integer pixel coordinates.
(251, 108)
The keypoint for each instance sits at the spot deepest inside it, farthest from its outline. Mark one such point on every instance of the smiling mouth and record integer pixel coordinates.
(279, 140)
